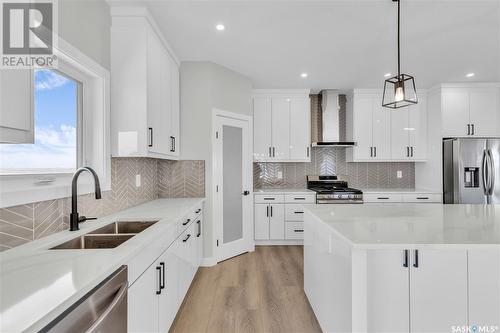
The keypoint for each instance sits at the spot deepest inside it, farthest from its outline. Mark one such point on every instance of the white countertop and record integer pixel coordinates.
(412, 225)
(400, 190)
(37, 284)
(275, 191)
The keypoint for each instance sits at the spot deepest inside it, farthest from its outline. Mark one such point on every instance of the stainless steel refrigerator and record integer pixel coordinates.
(471, 171)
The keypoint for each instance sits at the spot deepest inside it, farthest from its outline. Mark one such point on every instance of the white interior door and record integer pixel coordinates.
(234, 197)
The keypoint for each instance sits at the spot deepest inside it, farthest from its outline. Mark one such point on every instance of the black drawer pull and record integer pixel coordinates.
(186, 239)
(299, 230)
(383, 198)
(299, 198)
(197, 211)
(299, 212)
(415, 263)
(199, 228)
(158, 291)
(187, 221)
(268, 198)
(405, 264)
(422, 198)
(162, 283)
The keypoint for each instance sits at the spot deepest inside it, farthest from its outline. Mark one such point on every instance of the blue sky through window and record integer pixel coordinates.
(56, 112)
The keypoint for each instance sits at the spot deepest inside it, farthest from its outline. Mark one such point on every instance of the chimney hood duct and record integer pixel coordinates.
(330, 106)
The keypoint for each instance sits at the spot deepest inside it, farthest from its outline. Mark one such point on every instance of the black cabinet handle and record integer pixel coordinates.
(199, 228)
(158, 291)
(298, 230)
(270, 153)
(371, 151)
(382, 198)
(472, 127)
(468, 129)
(150, 137)
(187, 221)
(307, 151)
(411, 149)
(405, 263)
(198, 210)
(271, 211)
(415, 263)
(246, 192)
(162, 283)
(299, 198)
(422, 198)
(407, 151)
(172, 149)
(175, 144)
(375, 151)
(298, 212)
(268, 198)
(267, 211)
(274, 152)
(186, 239)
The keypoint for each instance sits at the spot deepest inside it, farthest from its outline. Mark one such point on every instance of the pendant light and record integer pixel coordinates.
(399, 91)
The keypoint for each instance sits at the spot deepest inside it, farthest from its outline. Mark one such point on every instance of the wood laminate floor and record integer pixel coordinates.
(254, 292)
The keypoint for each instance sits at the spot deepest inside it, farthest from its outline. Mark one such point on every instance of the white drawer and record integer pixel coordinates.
(423, 197)
(296, 198)
(294, 230)
(382, 197)
(262, 198)
(294, 212)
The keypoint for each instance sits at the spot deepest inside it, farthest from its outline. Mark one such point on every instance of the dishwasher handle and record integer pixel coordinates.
(120, 295)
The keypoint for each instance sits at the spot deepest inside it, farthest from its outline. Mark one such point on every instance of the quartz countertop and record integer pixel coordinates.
(275, 191)
(400, 190)
(412, 225)
(37, 284)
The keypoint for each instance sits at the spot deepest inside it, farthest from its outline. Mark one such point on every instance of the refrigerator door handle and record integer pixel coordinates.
(485, 173)
(491, 173)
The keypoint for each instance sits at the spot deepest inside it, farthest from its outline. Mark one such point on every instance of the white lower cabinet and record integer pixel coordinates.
(269, 221)
(155, 297)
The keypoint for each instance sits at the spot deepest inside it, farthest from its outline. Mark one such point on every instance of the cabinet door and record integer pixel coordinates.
(484, 287)
(484, 112)
(300, 124)
(438, 290)
(277, 222)
(199, 241)
(417, 129)
(280, 128)
(381, 132)
(193, 252)
(159, 101)
(455, 111)
(143, 302)
(168, 299)
(363, 111)
(16, 106)
(400, 145)
(387, 296)
(175, 110)
(262, 119)
(184, 258)
(261, 218)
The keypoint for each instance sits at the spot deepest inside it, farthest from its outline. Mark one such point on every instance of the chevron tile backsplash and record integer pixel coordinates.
(159, 178)
(332, 161)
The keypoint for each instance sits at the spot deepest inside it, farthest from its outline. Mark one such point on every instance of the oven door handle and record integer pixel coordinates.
(120, 295)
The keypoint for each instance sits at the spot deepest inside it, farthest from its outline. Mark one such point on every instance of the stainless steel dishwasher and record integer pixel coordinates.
(101, 310)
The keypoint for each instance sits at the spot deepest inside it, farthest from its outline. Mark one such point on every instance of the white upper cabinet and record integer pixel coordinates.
(382, 134)
(470, 111)
(144, 90)
(282, 121)
(16, 106)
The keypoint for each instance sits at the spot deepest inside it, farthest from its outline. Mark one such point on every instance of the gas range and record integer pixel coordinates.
(331, 190)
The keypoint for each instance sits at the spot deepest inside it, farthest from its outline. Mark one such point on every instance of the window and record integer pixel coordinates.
(57, 147)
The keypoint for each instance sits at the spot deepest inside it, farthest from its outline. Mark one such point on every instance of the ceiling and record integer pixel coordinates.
(340, 44)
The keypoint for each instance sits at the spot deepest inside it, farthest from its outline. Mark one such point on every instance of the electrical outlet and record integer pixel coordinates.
(399, 174)
(280, 175)
(137, 180)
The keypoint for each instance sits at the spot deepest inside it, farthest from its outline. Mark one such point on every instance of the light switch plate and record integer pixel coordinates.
(399, 174)
(280, 175)
(137, 180)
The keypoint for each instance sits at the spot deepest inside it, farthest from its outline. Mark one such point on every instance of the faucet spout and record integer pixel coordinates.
(74, 219)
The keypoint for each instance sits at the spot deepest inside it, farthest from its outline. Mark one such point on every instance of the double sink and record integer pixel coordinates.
(107, 237)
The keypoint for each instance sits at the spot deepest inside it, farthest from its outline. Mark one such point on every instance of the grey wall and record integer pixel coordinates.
(204, 86)
(85, 24)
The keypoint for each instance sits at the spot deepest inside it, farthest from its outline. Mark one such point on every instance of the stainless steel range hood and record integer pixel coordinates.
(330, 107)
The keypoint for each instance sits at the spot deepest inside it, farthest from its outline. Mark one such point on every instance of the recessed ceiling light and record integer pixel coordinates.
(470, 75)
(220, 27)
(304, 75)
(387, 74)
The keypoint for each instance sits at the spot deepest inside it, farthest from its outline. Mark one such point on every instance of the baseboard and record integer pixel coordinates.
(279, 242)
(208, 262)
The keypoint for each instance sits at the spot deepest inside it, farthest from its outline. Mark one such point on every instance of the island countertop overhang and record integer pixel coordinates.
(411, 226)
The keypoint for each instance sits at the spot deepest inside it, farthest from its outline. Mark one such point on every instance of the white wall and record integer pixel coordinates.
(85, 24)
(205, 86)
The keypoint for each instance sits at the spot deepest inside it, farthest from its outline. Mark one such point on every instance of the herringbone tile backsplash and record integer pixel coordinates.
(159, 178)
(332, 161)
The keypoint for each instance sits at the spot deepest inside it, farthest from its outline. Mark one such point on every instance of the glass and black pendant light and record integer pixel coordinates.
(399, 91)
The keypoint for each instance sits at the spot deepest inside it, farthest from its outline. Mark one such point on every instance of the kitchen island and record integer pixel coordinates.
(403, 267)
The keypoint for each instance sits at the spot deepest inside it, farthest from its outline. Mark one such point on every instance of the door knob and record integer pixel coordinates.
(246, 192)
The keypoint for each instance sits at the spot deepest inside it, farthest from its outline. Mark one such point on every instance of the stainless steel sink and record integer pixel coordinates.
(107, 237)
(124, 227)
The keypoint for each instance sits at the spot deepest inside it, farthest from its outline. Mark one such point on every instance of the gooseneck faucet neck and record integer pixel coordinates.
(74, 218)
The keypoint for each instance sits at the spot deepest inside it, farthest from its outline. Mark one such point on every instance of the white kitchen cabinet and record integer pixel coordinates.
(168, 300)
(470, 110)
(261, 221)
(143, 302)
(381, 134)
(16, 106)
(409, 133)
(281, 126)
(144, 89)
(269, 221)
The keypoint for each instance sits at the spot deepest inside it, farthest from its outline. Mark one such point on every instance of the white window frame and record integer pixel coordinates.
(95, 136)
